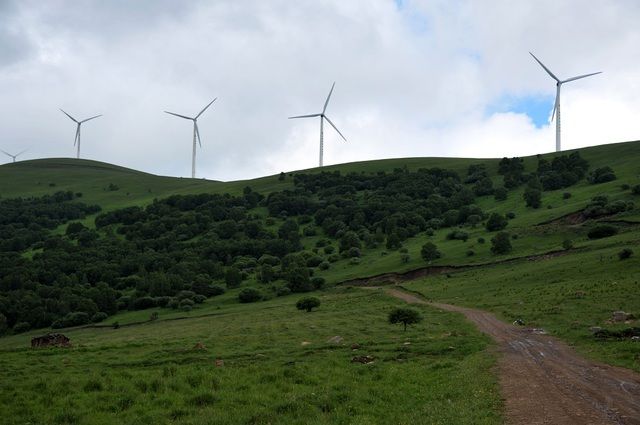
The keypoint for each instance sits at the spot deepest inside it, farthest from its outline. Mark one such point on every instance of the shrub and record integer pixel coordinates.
(458, 235)
(481, 240)
(510, 215)
(353, 252)
(143, 303)
(429, 252)
(567, 244)
(329, 249)
(314, 261)
(249, 295)
(500, 194)
(636, 189)
(308, 304)
(625, 186)
(215, 290)
(532, 197)
(282, 291)
(566, 195)
(601, 175)
(625, 253)
(470, 253)
(405, 258)
(21, 327)
(186, 304)
(324, 265)
(173, 303)
(333, 258)
(199, 299)
(317, 282)
(153, 316)
(406, 316)
(501, 243)
(232, 277)
(601, 231)
(496, 222)
(98, 317)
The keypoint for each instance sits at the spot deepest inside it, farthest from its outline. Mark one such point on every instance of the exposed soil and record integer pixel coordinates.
(394, 278)
(543, 381)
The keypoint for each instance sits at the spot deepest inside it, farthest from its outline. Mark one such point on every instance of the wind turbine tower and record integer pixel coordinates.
(79, 123)
(323, 117)
(13, 156)
(556, 106)
(196, 133)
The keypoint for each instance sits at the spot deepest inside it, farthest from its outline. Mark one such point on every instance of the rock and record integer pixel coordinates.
(50, 340)
(200, 347)
(219, 362)
(406, 343)
(355, 346)
(518, 322)
(620, 316)
(635, 338)
(304, 343)
(595, 329)
(362, 359)
(335, 340)
(538, 331)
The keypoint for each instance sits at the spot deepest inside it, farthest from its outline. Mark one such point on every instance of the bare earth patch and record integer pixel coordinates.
(543, 381)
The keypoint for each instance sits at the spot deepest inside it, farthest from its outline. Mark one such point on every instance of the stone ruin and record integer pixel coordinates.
(50, 340)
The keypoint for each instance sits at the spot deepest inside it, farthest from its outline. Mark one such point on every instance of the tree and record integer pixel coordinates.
(349, 240)
(429, 252)
(496, 222)
(308, 304)
(501, 243)
(533, 197)
(406, 316)
(233, 277)
(249, 295)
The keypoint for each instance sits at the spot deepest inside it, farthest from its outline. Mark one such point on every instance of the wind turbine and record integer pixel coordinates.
(196, 133)
(77, 138)
(323, 117)
(13, 156)
(556, 106)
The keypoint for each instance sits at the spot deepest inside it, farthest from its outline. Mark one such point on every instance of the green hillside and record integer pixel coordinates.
(138, 269)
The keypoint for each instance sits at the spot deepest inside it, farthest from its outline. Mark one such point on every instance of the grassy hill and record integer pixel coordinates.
(281, 365)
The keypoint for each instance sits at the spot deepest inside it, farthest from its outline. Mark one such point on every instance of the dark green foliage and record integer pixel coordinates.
(21, 327)
(626, 333)
(298, 279)
(563, 171)
(566, 195)
(483, 187)
(98, 317)
(601, 175)
(600, 207)
(501, 243)
(532, 197)
(393, 242)
(470, 253)
(307, 304)
(601, 231)
(406, 316)
(625, 253)
(458, 235)
(496, 222)
(349, 240)
(429, 252)
(500, 194)
(249, 295)
(567, 244)
(510, 215)
(232, 277)
(636, 189)
(512, 171)
(317, 282)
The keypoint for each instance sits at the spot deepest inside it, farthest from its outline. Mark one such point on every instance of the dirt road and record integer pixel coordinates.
(543, 381)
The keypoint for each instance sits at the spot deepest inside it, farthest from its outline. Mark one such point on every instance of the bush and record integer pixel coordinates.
(98, 317)
(308, 304)
(496, 222)
(501, 243)
(429, 252)
(481, 240)
(21, 327)
(283, 291)
(532, 197)
(567, 244)
(173, 303)
(317, 282)
(625, 253)
(601, 175)
(510, 215)
(215, 290)
(458, 235)
(314, 261)
(249, 295)
(406, 316)
(500, 194)
(405, 258)
(566, 195)
(324, 265)
(233, 277)
(636, 189)
(601, 231)
(329, 249)
(153, 316)
(470, 253)
(143, 303)
(186, 304)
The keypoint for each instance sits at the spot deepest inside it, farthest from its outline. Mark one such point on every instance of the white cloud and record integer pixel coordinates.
(411, 81)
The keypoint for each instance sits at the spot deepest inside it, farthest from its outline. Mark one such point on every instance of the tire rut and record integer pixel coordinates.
(543, 380)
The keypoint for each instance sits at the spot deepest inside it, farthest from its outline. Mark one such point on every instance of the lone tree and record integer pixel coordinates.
(501, 243)
(406, 316)
(308, 304)
(430, 252)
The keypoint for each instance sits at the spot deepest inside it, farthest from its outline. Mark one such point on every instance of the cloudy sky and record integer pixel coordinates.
(413, 78)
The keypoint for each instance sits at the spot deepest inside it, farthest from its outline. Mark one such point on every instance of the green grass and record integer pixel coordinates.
(151, 374)
(565, 295)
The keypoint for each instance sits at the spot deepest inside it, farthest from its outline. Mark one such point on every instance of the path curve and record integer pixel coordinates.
(543, 381)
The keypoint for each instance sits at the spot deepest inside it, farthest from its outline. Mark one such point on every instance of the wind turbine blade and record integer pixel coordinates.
(205, 108)
(197, 133)
(335, 128)
(75, 140)
(6, 153)
(555, 107)
(581, 76)
(305, 116)
(74, 120)
(328, 97)
(89, 119)
(22, 152)
(545, 68)
(178, 115)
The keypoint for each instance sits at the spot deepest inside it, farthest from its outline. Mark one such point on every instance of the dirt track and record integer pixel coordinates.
(543, 381)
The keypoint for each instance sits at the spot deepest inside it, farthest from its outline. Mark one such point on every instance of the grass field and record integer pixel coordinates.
(438, 371)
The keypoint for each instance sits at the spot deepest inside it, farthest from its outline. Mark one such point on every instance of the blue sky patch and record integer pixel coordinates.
(538, 108)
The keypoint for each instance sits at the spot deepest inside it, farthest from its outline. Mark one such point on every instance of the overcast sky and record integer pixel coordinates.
(413, 78)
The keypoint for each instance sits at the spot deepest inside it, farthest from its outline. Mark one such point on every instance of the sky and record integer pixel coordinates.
(446, 78)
